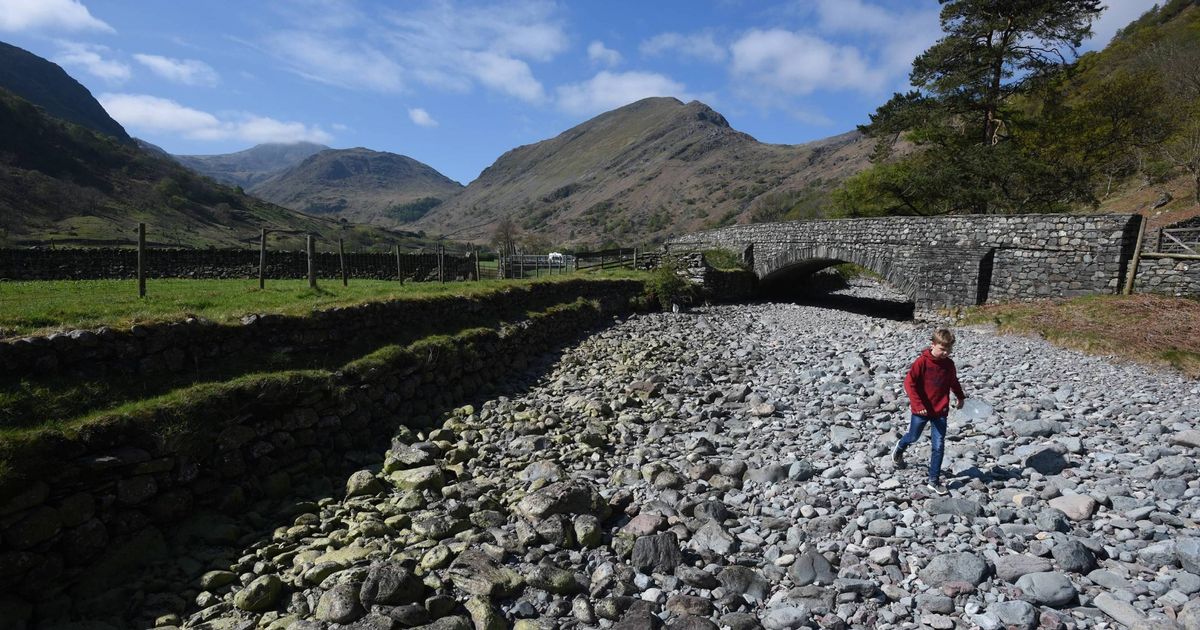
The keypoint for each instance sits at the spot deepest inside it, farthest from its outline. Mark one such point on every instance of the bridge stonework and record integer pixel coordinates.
(952, 260)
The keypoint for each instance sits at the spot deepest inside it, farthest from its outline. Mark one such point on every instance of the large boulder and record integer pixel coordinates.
(563, 497)
(955, 567)
(1048, 588)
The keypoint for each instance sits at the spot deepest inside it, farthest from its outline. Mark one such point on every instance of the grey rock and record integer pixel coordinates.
(953, 505)
(1017, 615)
(1073, 556)
(1047, 588)
(955, 567)
(744, 581)
(659, 552)
(785, 617)
(339, 605)
(811, 567)
(1011, 567)
(260, 595)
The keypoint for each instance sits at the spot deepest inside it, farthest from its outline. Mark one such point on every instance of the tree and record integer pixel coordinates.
(1182, 149)
(962, 119)
(994, 49)
(504, 237)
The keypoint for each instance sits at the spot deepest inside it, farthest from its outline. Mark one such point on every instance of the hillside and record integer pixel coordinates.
(40, 81)
(62, 183)
(359, 185)
(646, 170)
(1163, 43)
(251, 166)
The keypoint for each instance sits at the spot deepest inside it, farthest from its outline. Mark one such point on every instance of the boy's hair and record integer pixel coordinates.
(943, 336)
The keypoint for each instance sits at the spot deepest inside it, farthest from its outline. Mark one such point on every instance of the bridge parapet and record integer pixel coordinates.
(949, 260)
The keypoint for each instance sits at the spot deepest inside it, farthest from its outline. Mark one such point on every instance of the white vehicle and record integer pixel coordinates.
(555, 258)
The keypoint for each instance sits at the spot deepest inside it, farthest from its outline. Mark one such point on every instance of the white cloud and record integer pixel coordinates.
(59, 15)
(336, 62)
(600, 53)
(185, 71)
(699, 46)
(505, 74)
(421, 118)
(92, 58)
(887, 36)
(444, 44)
(153, 114)
(608, 90)
(798, 63)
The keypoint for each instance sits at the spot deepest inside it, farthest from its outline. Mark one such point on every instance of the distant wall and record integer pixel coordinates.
(120, 263)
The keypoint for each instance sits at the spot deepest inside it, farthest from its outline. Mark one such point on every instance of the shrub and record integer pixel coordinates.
(723, 259)
(667, 287)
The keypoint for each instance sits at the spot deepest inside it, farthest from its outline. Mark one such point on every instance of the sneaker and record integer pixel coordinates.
(898, 456)
(937, 487)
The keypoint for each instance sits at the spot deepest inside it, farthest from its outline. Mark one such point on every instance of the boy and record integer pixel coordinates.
(928, 384)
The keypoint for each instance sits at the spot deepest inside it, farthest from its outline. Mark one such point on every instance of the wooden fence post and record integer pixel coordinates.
(1131, 270)
(312, 262)
(441, 254)
(342, 262)
(635, 259)
(141, 260)
(262, 260)
(398, 274)
(478, 276)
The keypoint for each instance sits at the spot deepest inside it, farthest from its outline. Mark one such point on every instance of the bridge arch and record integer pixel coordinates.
(953, 260)
(808, 259)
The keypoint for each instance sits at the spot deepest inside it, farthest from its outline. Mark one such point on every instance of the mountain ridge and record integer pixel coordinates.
(251, 166)
(46, 84)
(359, 184)
(592, 181)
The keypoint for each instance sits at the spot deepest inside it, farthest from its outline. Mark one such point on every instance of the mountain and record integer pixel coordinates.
(62, 183)
(251, 166)
(48, 86)
(647, 170)
(359, 185)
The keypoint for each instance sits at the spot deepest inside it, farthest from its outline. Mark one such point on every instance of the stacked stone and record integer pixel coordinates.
(949, 260)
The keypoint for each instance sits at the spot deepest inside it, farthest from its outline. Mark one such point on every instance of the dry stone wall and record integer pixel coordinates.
(950, 260)
(1170, 276)
(193, 344)
(80, 511)
(118, 263)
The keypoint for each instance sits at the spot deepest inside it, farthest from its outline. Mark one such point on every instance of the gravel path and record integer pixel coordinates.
(728, 467)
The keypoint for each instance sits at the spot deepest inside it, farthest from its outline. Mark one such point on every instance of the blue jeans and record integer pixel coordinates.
(938, 434)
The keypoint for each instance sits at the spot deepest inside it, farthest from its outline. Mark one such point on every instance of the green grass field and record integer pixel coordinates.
(40, 307)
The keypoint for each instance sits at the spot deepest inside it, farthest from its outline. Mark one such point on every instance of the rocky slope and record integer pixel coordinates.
(730, 466)
(251, 166)
(359, 185)
(645, 170)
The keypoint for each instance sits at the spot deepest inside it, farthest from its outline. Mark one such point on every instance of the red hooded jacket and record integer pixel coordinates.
(929, 382)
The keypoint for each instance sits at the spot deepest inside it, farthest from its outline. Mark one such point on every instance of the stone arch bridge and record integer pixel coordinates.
(953, 260)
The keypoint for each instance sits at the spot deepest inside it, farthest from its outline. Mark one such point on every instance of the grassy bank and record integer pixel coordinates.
(1146, 328)
(28, 308)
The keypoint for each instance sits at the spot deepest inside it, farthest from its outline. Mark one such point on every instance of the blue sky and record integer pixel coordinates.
(456, 84)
